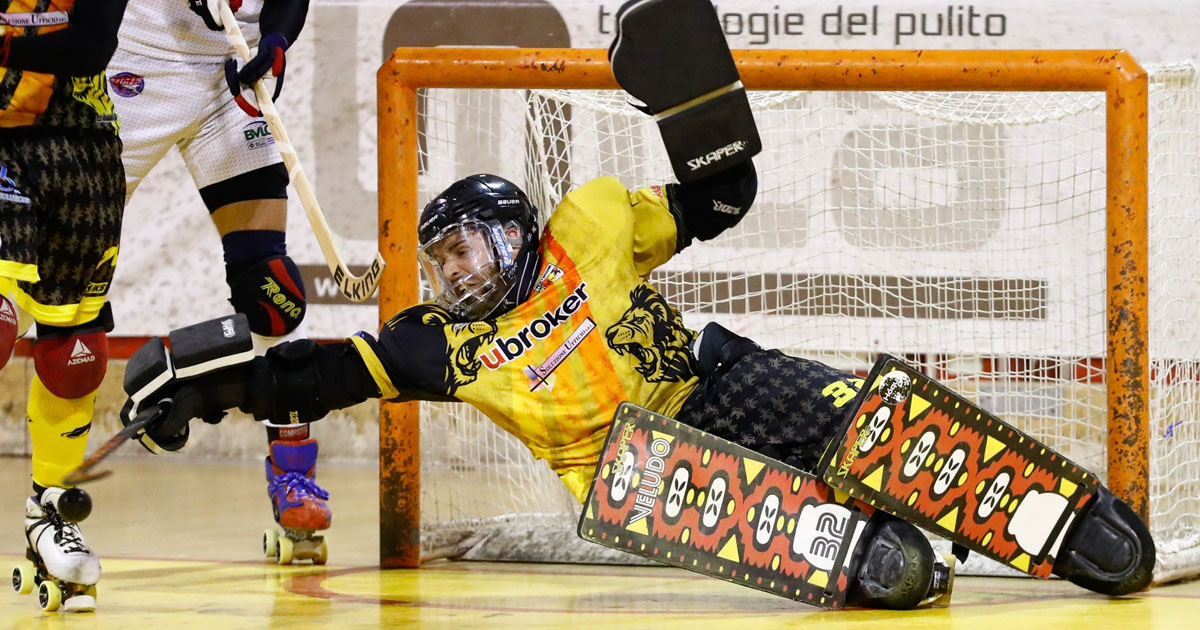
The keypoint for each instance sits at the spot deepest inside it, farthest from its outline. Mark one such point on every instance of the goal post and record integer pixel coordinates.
(404, 148)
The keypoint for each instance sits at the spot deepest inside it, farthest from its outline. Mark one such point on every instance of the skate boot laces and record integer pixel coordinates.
(67, 536)
(296, 482)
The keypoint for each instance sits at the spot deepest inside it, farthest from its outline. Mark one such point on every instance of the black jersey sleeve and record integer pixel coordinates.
(413, 357)
(83, 48)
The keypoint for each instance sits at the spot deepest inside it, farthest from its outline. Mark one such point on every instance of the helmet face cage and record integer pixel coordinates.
(469, 236)
(470, 266)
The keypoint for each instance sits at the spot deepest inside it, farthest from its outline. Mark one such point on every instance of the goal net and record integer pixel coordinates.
(962, 230)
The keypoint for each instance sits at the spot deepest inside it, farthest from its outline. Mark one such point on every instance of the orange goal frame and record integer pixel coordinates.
(1113, 72)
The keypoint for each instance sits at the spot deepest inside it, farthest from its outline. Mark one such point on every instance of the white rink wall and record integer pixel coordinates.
(170, 272)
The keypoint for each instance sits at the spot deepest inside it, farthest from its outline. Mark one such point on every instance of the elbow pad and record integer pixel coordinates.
(707, 207)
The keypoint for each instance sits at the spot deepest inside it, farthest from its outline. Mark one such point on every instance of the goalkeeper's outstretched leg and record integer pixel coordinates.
(913, 447)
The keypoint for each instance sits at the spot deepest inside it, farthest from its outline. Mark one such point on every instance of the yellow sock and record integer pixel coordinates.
(58, 428)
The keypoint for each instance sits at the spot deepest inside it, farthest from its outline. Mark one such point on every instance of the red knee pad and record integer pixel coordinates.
(72, 366)
(8, 329)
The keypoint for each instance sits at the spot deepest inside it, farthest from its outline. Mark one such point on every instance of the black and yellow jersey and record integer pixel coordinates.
(53, 60)
(592, 333)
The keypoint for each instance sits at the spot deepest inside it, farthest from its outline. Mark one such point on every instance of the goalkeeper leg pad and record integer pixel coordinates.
(918, 450)
(672, 56)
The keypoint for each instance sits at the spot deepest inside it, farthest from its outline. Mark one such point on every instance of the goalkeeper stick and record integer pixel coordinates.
(355, 288)
(84, 473)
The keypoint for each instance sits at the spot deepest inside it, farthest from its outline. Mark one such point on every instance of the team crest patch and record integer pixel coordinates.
(257, 134)
(549, 276)
(127, 84)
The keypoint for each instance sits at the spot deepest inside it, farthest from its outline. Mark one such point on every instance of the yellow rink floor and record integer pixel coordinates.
(179, 541)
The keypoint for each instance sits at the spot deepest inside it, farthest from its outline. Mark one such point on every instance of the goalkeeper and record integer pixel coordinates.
(546, 329)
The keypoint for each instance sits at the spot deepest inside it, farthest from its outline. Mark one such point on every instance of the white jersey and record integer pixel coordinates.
(170, 31)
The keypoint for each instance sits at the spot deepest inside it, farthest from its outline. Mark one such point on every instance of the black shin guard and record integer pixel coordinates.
(897, 569)
(1108, 550)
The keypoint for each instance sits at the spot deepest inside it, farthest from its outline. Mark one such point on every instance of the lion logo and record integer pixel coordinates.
(463, 342)
(653, 333)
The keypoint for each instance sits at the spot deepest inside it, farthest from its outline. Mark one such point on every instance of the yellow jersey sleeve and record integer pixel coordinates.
(654, 233)
(604, 209)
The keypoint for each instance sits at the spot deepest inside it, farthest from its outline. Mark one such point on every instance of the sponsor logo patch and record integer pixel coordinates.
(506, 349)
(725, 208)
(8, 188)
(716, 155)
(127, 84)
(257, 134)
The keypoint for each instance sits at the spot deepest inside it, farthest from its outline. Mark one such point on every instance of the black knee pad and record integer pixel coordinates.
(270, 293)
(1108, 550)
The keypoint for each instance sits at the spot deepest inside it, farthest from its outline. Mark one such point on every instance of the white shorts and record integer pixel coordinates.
(188, 105)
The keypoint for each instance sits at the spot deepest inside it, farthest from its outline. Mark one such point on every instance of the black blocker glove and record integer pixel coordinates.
(211, 368)
(202, 375)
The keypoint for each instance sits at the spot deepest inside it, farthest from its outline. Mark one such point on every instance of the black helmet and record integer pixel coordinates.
(469, 235)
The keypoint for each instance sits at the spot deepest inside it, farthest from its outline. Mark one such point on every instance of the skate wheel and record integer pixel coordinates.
(321, 554)
(284, 550)
(270, 542)
(49, 596)
(23, 578)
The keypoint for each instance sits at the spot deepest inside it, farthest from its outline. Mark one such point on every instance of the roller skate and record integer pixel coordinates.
(297, 502)
(59, 564)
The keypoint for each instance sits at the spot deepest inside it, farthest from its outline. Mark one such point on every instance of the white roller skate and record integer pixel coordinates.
(297, 502)
(60, 565)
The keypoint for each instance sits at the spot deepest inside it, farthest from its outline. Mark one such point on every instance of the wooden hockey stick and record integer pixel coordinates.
(83, 473)
(355, 288)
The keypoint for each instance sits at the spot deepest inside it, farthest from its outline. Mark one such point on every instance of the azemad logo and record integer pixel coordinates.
(127, 84)
(80, 354)
(257, 134)
(506, 349)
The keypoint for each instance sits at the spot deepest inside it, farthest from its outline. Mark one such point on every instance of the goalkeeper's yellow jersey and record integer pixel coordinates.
(592, 333)
(37, 98)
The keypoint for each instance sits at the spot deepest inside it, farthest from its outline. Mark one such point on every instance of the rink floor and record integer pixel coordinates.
(180, 545)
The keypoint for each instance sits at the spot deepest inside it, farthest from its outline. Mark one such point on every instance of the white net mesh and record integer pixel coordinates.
(964, 231)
